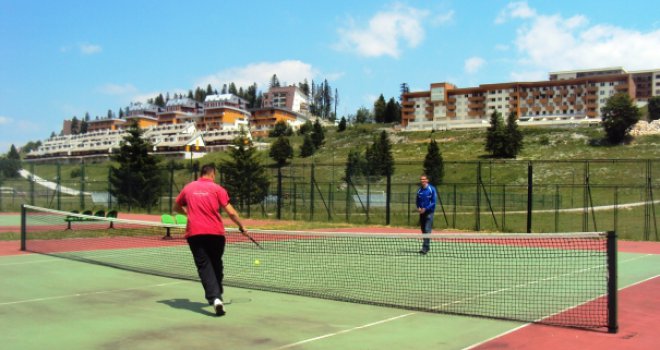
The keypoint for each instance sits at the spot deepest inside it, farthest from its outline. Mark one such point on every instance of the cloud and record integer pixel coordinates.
(518, 9)
(288, 71)
(117, 89)
(443, 18)
(553, 42)
(385, 32)
(89, 49)
(4, 120)
(473, 64)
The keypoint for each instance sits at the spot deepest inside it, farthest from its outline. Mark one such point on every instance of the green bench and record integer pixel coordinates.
(99, 213)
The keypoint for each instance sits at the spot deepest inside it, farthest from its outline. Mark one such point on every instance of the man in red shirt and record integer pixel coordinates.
(202, 200)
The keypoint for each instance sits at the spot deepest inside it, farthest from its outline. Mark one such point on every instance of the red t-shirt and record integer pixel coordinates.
(203, 199)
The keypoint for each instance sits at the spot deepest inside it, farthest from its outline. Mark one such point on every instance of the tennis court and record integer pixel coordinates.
(68, 303)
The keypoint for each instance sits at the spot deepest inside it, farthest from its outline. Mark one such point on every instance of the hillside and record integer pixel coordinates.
(540, 143)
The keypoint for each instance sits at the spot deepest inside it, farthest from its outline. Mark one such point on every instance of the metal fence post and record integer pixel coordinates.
(530, 195)
(58, 187)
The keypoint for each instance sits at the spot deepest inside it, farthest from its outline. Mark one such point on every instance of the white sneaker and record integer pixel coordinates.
(219, 307)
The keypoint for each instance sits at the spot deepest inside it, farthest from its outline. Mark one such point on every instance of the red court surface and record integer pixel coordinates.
(639, 322)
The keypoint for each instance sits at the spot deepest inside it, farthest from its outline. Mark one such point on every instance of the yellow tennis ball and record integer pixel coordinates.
(257, 262)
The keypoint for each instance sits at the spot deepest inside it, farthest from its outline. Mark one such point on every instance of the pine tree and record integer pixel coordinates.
(318, 134)
(274, 81)
(83, 127)
(137, 181)
(307, 147)
(159, 101)
(304, 87)
(379, 109)
(11, 164)
(496, 135)
(342, 125)
(434, 167)
(75, 126)
(251, 96)
(387, 160)
(356, 165)
(514, 138)
(281, 128)
(232, 89)
(379, 156)
(306, 128)
(245, 178)
(392, 112)
(209, 90)
(281, 151)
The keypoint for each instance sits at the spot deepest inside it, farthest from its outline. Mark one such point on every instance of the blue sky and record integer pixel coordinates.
(60, 59)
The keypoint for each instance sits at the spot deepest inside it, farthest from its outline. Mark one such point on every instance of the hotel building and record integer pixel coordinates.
(566, 98)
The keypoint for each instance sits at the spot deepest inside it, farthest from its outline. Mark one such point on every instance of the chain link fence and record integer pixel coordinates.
(503, 196)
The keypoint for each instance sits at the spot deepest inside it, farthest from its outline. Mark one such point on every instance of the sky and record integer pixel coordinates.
(65, 58)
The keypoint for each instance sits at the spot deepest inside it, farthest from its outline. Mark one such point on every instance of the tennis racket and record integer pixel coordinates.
(250, 238)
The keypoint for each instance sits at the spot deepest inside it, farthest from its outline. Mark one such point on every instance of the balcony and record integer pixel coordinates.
(557, 100)
(592, 114)
(621, 87)
(451, 107)
(476, 105)
(476, 98)
(451, 114)
(451, 99)
(592, 89)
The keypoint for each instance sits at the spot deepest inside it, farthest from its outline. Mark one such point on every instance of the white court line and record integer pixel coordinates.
(309, 340)
(89, 293)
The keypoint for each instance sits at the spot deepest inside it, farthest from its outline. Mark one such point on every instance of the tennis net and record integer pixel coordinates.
(557, 279)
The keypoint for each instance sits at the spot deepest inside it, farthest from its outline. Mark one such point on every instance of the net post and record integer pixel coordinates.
(23, 227)
(612, 324)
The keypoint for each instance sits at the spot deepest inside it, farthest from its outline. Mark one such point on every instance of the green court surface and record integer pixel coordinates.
(10, 220)
(56, 303)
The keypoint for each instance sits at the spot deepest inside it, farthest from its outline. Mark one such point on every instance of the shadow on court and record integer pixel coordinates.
(186, 304)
